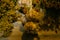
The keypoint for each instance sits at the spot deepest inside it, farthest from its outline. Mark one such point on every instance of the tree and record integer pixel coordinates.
(8, 15)
(34, 16)
(31, 26)
(52, 8)
(31, 31)
(36, 4)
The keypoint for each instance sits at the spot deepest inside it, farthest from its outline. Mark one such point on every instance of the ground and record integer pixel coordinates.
(16, 35)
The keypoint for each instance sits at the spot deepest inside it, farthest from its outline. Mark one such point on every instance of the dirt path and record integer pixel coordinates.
(16, 34)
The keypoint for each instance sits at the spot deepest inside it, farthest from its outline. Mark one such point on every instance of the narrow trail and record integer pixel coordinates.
(16, 34)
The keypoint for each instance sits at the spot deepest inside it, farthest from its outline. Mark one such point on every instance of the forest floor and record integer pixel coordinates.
(50, 35)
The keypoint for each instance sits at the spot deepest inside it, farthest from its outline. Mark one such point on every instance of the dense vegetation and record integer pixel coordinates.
(8, 15)
(52, 14)
(49, 18)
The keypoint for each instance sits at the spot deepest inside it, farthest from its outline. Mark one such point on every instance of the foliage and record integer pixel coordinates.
(51, 3)
(8, 15)
(31, 27)
(52, 8)
(6, 28)
(34, 16)
(36, 4)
